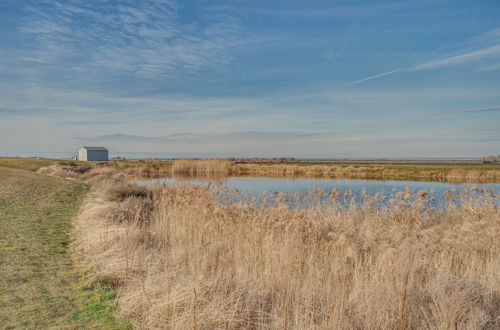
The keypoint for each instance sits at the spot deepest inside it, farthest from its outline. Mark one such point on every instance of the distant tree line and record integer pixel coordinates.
(491, 159)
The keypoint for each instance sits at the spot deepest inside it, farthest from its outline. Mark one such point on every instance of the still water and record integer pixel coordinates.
(255, 186)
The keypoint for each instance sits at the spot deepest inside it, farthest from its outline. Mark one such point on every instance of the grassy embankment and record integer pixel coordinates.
(181, 259)
(40, 286)
(28, 164)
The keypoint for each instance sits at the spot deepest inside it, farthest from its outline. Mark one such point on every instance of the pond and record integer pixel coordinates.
(255, 186)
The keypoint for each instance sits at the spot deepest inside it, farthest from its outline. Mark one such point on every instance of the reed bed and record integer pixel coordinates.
(472, 175)
(220, 167)
(365, 172)
(205, 167)
(183, 259)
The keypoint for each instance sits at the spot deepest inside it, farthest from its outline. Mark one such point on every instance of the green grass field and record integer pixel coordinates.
(40, 287)
(28, 164)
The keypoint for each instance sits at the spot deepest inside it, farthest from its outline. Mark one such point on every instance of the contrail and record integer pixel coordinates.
(447, 61)
(369, 78)
(457, 59)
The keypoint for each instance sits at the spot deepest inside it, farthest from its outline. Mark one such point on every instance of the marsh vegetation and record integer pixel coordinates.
(182, 259)
(220, 167)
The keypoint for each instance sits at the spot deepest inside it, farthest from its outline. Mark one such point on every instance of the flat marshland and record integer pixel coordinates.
(437, 172)
(180, 258)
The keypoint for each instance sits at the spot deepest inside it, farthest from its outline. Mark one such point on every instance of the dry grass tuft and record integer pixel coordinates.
(121, 191)
(65, 169)
(182, 259)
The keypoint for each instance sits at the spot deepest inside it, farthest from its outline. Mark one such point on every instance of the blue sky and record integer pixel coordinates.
(251, 78)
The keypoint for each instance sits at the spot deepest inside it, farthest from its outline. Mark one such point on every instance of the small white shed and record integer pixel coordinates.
(93, 154)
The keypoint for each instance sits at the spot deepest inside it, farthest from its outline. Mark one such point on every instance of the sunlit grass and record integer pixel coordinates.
(40, 286)
(29, 164)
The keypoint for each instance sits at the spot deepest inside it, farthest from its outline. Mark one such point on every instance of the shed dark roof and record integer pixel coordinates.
(95, 148)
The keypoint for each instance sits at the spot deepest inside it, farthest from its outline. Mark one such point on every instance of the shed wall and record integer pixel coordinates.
(97, 155)
(82, 154)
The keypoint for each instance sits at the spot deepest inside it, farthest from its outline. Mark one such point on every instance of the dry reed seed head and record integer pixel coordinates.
(422, 193)
(449, 195)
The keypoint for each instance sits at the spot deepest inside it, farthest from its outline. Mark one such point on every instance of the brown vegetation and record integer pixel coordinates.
(83, 171)
(369, 172)
(472, 175)
(201, 166)
(223, 167)
(182, 259)
(210, 167)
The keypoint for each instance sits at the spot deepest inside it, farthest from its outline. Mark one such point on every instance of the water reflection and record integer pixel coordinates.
(197, 180)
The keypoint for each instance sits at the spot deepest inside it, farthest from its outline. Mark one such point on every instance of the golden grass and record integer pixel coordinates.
(443, 173)
(473, 175)
(181, 259)
(82, 170)
(28, 164)
(201, 166)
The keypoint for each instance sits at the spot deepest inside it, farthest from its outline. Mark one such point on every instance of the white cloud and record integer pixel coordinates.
(146, 38)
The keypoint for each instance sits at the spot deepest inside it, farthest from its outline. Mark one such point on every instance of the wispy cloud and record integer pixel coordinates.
(227, 137)
(245, 143)
(145, 38)
(494, 109)
(299, 10)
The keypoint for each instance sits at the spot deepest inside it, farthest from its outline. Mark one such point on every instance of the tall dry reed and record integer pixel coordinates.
(197, 263)
(223, 167)
(204, 167)
(367, 172)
